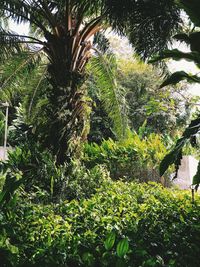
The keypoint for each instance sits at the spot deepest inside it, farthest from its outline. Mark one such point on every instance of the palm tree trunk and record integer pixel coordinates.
(68, 116)
(68, 50)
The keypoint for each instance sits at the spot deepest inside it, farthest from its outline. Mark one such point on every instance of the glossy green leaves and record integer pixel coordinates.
(110, 241)
(122, 248)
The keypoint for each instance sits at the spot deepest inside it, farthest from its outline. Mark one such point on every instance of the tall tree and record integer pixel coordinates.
(62, 30)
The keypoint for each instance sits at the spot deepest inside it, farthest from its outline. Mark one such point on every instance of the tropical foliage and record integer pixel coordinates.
(140, 101)
(60, 40)
(67, 202)
(162, 109)
(134, 158)
(36, 172)
(193, 40)
(121, 225)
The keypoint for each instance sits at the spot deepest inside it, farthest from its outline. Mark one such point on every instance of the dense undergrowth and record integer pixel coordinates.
(122, 224)
(133, 158)
(93, 212)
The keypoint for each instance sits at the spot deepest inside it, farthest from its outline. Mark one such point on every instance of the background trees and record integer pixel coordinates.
(162, 110)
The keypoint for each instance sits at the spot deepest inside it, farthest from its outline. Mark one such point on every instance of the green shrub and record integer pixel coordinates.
(82, 182)
(133, 158)
(36, 169)
(39, 175)
(123, 224)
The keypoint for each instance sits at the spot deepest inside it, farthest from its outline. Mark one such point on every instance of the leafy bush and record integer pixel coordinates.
(35, 168)
(46, 181)
(136, 157)
(82, 182)
(123, 224)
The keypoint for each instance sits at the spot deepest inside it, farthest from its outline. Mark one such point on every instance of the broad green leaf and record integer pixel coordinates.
(192, 129)
(177, 55)
(182, 37)
(196, 178)
(174, 157)
(122, 247)
(180, 76)
(110, 241)
(192, 8)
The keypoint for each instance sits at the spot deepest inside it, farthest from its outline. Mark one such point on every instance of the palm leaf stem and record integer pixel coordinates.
(35, 91)
(23, 36)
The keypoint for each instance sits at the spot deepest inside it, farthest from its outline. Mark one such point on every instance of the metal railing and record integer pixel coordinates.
(6, 106)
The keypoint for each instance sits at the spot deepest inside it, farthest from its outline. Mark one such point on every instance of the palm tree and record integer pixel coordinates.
(62, 31)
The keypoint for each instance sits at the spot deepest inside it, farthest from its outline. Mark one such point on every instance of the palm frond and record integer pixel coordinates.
(36, 93)
(148, 24)
(16, 9)
(15, 71)
(113, 97)
(3, 21)
(36, 102)
(9, 44)
(26, 11)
